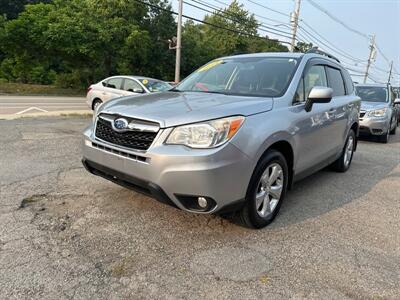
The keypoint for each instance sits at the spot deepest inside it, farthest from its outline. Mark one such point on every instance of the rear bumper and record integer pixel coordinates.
(173, 174)
(374, 126)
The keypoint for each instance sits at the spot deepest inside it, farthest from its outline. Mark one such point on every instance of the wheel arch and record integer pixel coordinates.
(94, 101)
(285, 147)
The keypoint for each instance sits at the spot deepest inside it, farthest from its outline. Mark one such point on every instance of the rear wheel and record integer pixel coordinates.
(266, 191)
(96, 103)
(342, 164)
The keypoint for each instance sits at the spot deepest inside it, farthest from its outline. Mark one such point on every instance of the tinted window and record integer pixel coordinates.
(348, 81)
(336, 81)
(249, 76)
(131, 85)
(114, 83)
(314, 76)
(372, 93)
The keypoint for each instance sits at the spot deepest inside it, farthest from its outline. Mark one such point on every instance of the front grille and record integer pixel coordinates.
(130, 139)
(362, 114)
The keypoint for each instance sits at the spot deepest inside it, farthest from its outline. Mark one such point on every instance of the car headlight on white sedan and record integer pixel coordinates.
(377, 113)
(207, 134)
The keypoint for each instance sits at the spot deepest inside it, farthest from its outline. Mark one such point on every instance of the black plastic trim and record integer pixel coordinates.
(130, 182)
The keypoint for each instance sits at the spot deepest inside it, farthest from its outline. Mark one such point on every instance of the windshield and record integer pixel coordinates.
(372, 93)
(155, 85)
(251, 76)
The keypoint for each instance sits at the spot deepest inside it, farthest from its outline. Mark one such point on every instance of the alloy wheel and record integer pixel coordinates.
(269, 190)
(348, 151)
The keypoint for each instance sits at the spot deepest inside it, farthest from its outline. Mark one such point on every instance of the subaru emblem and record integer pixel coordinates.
(120, 124)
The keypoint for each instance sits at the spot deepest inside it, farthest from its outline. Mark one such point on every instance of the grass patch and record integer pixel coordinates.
(37, 89)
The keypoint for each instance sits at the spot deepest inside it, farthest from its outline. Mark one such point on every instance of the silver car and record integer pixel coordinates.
(378, 115)
(232, 137)
(119, 86)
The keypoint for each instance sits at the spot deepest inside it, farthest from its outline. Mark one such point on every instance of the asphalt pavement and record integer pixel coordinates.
(66, 234)
(38, 104)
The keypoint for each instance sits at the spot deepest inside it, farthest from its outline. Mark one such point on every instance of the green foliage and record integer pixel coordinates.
(77, 42)
(303, 47)
(11, 8)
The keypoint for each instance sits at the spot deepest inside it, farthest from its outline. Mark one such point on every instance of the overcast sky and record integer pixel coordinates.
(380, 17)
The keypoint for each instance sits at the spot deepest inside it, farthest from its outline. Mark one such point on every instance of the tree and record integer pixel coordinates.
(10, 9)
(303, 47)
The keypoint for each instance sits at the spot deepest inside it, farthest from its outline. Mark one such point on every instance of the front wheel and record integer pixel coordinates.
(342, 164)
(393, 131)
(266, 191)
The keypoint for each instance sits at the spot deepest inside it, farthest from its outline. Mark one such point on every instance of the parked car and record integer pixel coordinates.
(233, 136)
(379, 113)
(118, 86)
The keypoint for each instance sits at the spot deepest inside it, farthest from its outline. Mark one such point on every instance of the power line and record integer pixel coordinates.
(225, 14)
(209, 24)
(268, 8)
(319, 7)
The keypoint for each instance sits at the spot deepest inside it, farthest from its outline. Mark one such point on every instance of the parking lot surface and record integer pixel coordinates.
(11, 104)
(65, 233)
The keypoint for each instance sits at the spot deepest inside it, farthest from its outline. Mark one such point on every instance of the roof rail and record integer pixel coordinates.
(320, 52)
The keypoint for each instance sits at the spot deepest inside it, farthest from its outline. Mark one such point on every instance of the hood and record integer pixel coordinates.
(178, 108)
(373, 105)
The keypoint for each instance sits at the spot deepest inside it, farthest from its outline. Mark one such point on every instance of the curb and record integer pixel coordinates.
(62, 113)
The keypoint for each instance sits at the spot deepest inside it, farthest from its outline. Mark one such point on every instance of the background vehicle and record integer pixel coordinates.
(233, 136)
(378, 115)
(118, 86)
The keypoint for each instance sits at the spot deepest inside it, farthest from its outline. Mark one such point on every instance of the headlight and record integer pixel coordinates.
(377, 113)
(206, 134)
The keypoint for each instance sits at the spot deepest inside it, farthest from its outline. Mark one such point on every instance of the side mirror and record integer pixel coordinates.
(396, 101)
(318, 94)
(138, 90)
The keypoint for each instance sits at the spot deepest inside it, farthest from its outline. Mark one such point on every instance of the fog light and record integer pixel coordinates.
(202, 202)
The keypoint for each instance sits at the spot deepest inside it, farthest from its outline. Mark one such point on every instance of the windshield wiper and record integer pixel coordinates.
(174, 90)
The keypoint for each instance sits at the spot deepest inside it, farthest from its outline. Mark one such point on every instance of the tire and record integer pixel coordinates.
(273, 162)
(342, 164)
(96, 102)
(393, 131)
(385, 138)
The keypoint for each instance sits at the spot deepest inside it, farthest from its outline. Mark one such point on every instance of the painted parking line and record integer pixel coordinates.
(29, 109)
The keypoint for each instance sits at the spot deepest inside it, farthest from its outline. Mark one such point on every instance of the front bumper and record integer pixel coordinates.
(374, 126)
(174, 174)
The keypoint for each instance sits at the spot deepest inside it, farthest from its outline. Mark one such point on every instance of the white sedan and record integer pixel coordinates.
(118, 86)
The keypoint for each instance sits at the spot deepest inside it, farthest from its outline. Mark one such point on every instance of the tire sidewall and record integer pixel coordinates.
(351, 133)
(272, 156)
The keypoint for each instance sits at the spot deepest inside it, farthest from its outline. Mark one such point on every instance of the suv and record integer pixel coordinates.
(378, 115)
(233, 136)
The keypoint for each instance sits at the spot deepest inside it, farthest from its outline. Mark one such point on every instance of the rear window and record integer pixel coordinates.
(336, 81)
(372, 93)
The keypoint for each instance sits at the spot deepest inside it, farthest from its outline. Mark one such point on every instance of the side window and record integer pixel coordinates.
(114, 83)
(131, 86)
(348, 81)
(314, 76)
(336, 81)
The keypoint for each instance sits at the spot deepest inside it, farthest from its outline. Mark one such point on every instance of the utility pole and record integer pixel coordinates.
(390, 71)
(371, 57)
(178, 43)
(294, 19)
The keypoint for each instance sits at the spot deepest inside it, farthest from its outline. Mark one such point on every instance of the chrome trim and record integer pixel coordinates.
(118, 152)
(132, 125)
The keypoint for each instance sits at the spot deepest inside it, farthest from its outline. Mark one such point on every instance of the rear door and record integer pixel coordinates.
(112, 88)
(339, 109)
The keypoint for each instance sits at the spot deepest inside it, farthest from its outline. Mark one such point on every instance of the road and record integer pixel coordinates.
(65, 233)
(34, 104)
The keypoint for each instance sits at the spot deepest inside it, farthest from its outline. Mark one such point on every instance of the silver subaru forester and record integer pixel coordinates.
(233, 136)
